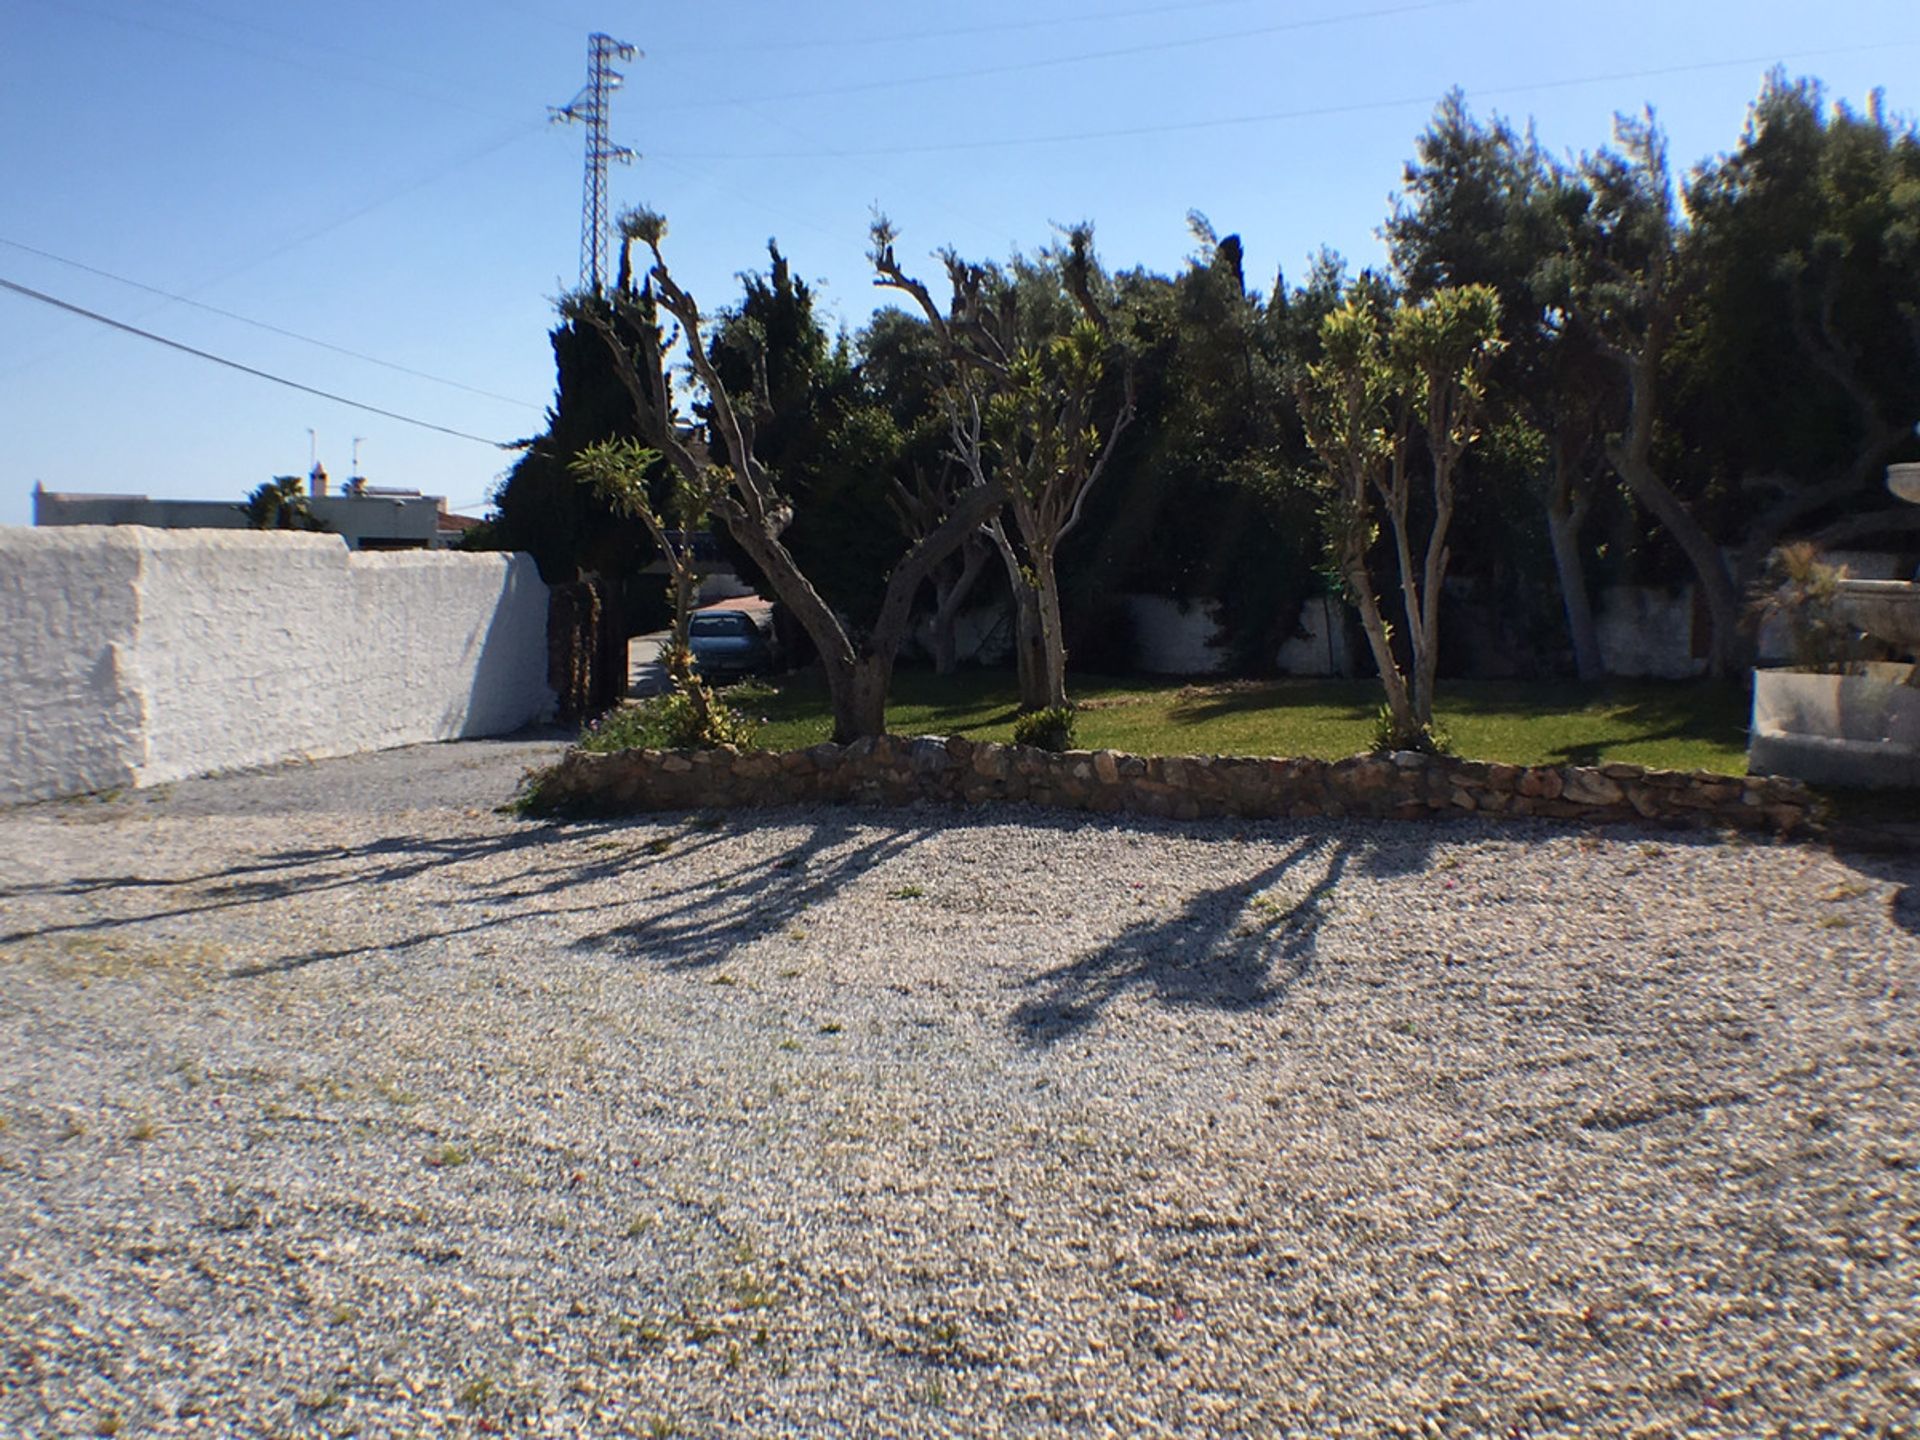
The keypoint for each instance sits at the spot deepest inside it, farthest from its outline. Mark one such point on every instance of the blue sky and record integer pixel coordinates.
(378, 175)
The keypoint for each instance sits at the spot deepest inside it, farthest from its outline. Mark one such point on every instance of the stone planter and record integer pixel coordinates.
(1856, 730)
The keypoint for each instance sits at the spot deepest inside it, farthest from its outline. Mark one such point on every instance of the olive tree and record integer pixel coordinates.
(1393, 396)
(747, 496)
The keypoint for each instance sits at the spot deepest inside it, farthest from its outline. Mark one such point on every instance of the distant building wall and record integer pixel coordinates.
(374, 520)
(137, 656)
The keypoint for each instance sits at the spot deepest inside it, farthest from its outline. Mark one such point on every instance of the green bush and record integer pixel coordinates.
(1432, 739)
(1046, 729)
(668, 722)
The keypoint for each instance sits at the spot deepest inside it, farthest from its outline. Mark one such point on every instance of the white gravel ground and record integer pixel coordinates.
(333, 1103)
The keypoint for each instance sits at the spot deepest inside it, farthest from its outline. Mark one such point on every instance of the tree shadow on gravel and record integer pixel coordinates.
(698, 926)
(1901, 869)
(1231, 949)
(547, 869)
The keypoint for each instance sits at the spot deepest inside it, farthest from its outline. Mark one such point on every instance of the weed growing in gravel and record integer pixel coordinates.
(645, 1332)
(446, 1155)
(478, 1391)
(908, 892)
(388, 1089)
(323, 1087)
(934, 1394)
(143, 1130)
(1835, 922)
(342, 1314)
(639, 1226)
(659, 845)
(662, 1427)
(723, 979)
(1845, 890)
(832, 1027)
(751, 1292)
(789, 1044)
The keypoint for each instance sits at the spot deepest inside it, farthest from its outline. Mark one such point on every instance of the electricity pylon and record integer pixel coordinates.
(589, 108)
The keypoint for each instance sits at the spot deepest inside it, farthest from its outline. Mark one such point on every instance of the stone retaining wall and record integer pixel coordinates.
(891, 770)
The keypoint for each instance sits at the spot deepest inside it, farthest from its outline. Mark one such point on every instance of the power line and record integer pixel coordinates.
(519, 132)
(94, 315)
(297, 61)
(998, 27)
(263, 325)
(1155, 48)
(1317, 112)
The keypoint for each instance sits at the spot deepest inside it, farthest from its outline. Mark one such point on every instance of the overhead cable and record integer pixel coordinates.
(95, 316)
(1155, 48)
(263, 325)
(1316, 112)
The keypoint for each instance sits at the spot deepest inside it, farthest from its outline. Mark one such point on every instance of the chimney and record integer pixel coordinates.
(317, 481)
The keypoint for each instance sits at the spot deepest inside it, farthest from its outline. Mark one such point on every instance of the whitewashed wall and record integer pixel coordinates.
(136, 656)
(1173, 637)
(1647, 633)
(72, 717)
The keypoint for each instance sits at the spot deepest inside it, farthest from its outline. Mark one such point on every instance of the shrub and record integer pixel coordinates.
(1801, 590)
(668, 722)
(1050, 729)
(1431, 739)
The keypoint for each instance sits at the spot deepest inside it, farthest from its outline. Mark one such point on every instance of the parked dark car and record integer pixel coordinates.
(727, 643)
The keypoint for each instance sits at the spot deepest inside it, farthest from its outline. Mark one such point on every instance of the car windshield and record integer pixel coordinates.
(719, 625)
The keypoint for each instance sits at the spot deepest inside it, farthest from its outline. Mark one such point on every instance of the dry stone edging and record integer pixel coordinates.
(898, 770)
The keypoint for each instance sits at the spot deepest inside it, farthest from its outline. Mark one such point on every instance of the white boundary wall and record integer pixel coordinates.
(131, 656)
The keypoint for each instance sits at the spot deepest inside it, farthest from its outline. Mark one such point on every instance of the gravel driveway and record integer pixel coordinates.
(335, 1103)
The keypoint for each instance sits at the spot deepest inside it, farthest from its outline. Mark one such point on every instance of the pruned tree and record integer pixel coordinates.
(920, 509)
(662, 319)
(1025, 410)
(1391, 395)
(619, 471)
(1630, 291)
(1485, 205)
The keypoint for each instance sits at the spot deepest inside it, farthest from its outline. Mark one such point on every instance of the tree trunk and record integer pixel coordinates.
(1709, 565)
(1053, 639)
(1029, 648)
(949, 599)
(1565, 515)
(1399, 702)
(1631, 457)
(1030, 657)
(946, 644)
(860, 698)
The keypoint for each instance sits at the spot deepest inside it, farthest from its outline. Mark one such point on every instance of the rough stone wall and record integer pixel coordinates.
(895, 771)
(138, 656)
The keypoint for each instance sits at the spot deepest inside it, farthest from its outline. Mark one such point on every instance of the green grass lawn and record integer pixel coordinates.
(1690, 726)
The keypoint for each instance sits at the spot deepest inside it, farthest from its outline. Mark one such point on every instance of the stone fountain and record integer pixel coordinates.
(1858, 729)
